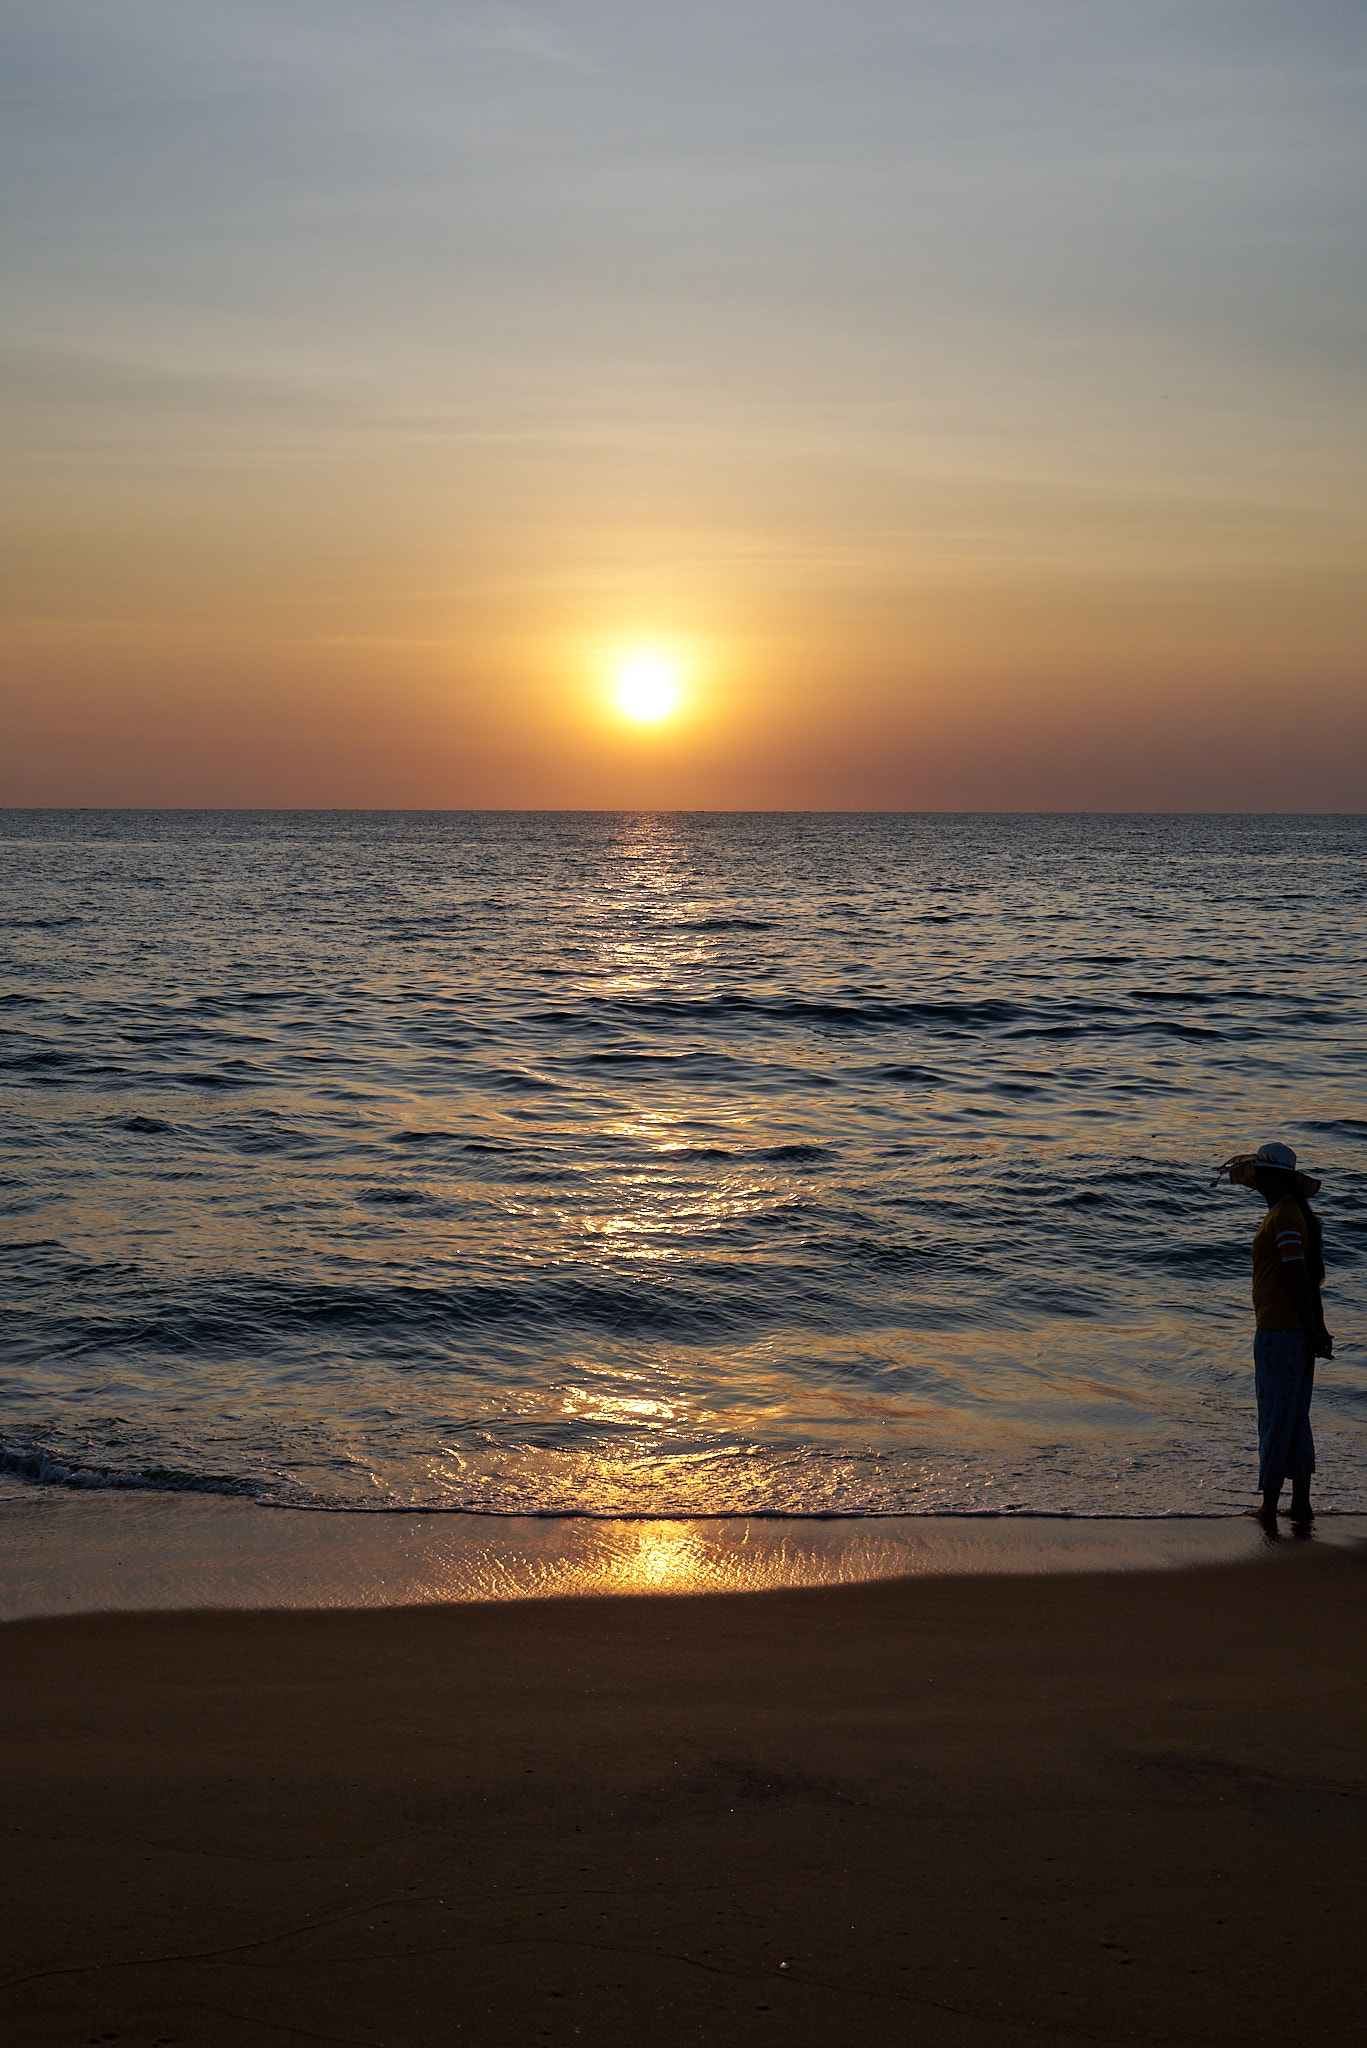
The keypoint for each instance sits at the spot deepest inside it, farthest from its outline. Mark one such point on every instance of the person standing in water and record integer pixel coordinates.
(1288, 1267)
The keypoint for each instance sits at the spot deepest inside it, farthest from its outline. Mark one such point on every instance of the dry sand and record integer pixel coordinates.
(1100, 1808)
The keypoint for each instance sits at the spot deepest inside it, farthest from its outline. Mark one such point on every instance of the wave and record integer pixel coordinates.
(44, 1468)
(50, 1468)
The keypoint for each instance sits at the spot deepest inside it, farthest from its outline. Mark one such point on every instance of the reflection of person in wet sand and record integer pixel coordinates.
(1288, 1267)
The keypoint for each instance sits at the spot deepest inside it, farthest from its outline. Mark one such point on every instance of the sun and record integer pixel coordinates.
(646, 687)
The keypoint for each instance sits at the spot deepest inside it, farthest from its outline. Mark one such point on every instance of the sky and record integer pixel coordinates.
(964, 398)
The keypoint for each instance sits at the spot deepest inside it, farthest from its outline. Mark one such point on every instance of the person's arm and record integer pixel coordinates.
(1305, 1299)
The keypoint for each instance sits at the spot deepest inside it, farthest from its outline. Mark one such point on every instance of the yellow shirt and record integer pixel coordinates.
(1281, 1239)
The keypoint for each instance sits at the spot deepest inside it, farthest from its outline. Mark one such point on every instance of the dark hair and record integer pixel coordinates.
(1282, 1187)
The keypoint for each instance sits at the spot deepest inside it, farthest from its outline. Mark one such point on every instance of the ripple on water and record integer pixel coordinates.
(660, 1164)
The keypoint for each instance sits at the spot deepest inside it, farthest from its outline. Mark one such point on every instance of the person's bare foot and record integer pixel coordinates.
(1301, 1510)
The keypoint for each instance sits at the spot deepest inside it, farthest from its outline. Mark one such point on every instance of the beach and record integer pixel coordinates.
(1072, 1806)
(631, 1429)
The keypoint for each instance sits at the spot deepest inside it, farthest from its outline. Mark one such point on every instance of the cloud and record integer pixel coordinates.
(403, 319)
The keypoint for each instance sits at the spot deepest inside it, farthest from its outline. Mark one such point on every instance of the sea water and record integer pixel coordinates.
(668, 1165)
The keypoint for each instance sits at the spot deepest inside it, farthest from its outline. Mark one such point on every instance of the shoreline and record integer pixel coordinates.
(87, 1553)
(1121, 1805)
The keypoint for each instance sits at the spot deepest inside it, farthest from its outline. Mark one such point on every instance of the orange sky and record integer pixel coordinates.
(972, 396)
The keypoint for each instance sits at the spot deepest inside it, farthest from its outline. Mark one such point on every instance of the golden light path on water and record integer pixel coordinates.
(652, 1218)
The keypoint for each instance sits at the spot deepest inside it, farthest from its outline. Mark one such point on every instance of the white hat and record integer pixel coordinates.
(1280, 1156)
(1243, 1168)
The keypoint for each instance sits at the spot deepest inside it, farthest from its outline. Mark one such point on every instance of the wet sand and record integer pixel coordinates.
(68, 1551)
(991, 1809)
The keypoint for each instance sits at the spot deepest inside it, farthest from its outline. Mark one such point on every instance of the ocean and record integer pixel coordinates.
(668, 1165)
